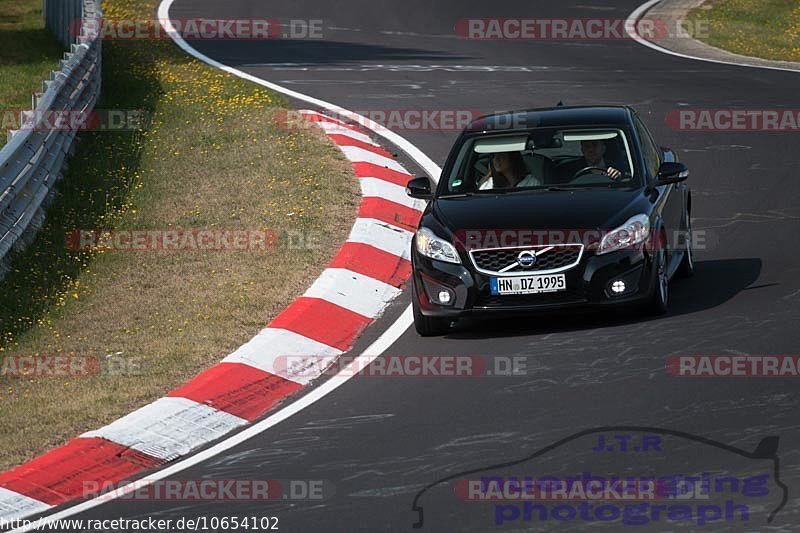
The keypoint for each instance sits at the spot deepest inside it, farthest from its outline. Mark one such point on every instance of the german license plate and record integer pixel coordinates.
(528, 284)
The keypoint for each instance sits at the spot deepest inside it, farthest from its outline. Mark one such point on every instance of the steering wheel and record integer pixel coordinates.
(589, 170)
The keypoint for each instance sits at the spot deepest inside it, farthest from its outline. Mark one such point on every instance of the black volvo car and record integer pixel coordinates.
(547, 209)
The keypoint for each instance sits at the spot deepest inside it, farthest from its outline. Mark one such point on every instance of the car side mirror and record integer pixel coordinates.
(671, 173)
(420, 188)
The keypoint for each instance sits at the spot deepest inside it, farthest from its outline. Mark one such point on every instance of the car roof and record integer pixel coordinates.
(552, 117)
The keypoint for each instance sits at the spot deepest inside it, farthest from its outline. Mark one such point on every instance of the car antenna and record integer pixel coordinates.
(560, 104)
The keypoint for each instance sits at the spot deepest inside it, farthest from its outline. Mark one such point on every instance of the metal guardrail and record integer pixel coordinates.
(34, 157)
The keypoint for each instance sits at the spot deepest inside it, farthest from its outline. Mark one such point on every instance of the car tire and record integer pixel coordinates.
(659, 301)
(428, 326)
(686, 268)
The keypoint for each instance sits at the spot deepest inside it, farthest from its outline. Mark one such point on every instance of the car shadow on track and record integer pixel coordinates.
(714, 283)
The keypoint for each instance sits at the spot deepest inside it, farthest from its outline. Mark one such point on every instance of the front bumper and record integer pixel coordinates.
(588, 285)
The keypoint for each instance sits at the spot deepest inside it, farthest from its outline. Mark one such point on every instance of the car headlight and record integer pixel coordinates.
(631, 233)
(429, 245)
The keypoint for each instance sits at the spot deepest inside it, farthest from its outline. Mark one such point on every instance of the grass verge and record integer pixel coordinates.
(29, 54)
(769, 29)
(211, 157)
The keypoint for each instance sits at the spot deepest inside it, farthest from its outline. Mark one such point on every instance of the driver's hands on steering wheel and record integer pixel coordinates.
(611, 172)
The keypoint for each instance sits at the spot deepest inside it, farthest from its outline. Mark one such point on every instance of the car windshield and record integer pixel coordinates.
(543, 159)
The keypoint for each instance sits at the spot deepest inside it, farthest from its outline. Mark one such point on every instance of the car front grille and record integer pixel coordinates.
(548, 258)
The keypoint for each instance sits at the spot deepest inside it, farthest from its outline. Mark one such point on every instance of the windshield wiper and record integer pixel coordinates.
(574, 188)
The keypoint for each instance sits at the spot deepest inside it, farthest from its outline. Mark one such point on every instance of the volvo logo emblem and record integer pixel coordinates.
(526, 259)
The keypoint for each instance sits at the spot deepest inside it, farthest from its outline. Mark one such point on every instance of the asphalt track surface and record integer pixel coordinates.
(380, 440)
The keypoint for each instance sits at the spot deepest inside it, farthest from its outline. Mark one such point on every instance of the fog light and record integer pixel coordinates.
(618, 287)
(438, 293)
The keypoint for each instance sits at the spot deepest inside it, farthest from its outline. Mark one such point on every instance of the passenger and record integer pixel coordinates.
(508, 169)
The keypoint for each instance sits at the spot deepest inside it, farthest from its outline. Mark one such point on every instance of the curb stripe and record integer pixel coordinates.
(370, 170)
(383, 236)
(378, 188)
(389, 212)
(169, 427)
(238, 389)
(316, 116)
(271, 343)
(382, 265)
(322, 321)
(60, 475)
(359, 293)
(14, 506)
(344, 140)
(359, 155)
(331, 128)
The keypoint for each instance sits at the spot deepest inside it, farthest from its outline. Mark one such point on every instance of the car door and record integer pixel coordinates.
(669, 201)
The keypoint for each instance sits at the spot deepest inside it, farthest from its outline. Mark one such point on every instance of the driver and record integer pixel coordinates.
(593, 156)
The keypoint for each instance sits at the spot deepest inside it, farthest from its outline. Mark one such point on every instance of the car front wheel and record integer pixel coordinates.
(686, 268)
(659, 301)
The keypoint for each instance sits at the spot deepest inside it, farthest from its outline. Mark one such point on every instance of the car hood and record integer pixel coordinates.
(541, 210)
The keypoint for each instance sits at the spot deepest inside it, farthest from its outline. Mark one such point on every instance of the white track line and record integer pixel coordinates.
(630, 29)
(372, 352)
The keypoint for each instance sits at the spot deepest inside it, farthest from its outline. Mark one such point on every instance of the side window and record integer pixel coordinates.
(650, 151)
